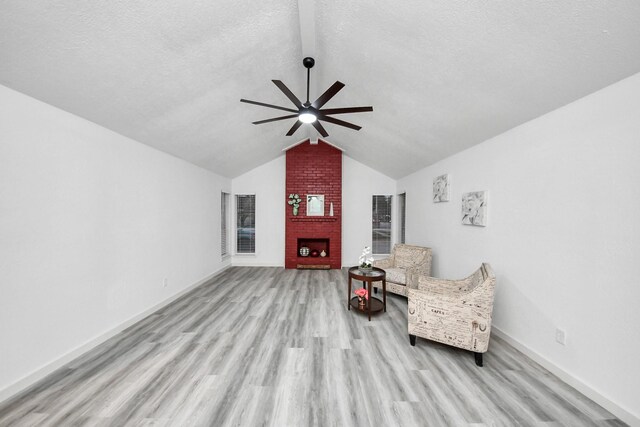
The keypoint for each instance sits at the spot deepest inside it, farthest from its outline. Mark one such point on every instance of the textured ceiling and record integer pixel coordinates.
(442, 75)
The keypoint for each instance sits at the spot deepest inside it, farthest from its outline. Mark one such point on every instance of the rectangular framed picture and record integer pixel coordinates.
(315, 205)
(441, 188)
(474, 208)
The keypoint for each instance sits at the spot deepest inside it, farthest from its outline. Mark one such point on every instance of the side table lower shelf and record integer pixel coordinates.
(376, 305)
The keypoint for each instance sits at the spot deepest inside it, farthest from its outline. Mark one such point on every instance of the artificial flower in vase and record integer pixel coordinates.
(366, 260)
(294, 200)
(362, 294)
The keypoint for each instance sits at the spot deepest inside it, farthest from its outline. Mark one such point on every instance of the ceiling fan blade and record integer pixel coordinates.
(320, 129)
(287, 92)
(275, 119)
(339, 122)
(262, 104)
(294, 128)
(327, 95)
(346, 110)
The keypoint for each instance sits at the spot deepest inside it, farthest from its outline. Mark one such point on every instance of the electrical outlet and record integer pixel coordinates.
(165, 282)
(561, 336)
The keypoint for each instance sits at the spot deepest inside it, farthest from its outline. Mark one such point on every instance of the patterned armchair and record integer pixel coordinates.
(403, 267)
(454, 312)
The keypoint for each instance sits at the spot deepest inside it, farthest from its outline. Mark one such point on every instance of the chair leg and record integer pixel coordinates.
(478, 358)
(412, 339)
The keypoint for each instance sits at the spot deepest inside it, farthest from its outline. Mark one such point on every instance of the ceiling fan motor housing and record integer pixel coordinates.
(308, 62)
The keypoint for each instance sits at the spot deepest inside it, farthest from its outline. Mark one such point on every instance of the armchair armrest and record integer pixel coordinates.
(455, 290)
(413, 277)
(440, 286)
(383, 263)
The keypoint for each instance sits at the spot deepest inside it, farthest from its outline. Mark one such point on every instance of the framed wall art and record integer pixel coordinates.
(474, 208)
(315, 204)
(441, 188)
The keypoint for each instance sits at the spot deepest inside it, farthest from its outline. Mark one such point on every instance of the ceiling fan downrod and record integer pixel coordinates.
(308, 63)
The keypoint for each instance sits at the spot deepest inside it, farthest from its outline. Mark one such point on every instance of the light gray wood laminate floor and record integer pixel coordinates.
(269, 346)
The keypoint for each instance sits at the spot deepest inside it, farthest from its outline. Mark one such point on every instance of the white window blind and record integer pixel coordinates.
(381, 224)
(224, 229)
(402, 211)
(245, 224)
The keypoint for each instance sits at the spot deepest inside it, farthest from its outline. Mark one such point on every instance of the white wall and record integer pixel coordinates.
(359, 184)
(562, 234)
(267, 182)
(91, 223)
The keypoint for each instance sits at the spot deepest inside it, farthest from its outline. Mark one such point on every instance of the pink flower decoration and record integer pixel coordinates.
(362, 293)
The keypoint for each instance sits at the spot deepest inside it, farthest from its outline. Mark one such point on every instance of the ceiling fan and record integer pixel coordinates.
(311, 112)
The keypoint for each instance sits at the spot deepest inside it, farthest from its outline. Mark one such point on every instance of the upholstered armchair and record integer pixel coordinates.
(403, 267)
(454, 312)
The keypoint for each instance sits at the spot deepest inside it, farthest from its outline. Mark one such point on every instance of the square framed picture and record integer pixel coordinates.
(441, 188)
(315, 204)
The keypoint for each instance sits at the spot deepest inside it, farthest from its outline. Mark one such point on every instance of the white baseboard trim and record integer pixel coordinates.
(35, 376)
(249, 263)
(592, 394)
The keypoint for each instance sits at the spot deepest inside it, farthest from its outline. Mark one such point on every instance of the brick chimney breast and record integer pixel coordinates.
(314, 169)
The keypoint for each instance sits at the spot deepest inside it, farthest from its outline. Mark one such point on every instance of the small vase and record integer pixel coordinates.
(323, 253)
(295, 211)
(361, 303)
(365, 269)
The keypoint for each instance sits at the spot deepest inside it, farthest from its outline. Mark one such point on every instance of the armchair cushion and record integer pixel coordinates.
(396, 275)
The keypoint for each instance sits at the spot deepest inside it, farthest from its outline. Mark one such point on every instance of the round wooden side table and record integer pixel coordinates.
(373, 304)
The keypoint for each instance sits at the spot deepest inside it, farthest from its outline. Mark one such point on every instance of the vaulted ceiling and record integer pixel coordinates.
(442, 75)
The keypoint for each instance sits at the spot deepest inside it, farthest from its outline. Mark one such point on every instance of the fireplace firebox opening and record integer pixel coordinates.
(316, 246)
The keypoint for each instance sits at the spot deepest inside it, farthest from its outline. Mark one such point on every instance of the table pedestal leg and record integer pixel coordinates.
(384, 294)
(369, 300)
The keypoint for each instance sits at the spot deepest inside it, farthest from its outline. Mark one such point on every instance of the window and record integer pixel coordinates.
(245, 224)
(402, 209)
(224, 229)
(381, 224)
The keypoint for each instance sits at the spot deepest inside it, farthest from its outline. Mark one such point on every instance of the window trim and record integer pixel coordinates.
(225, 202)
(236, 252)
(391, 223)
(402, 217)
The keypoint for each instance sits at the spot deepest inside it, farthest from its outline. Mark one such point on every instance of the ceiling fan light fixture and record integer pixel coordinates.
(307, 117)
(310, 112)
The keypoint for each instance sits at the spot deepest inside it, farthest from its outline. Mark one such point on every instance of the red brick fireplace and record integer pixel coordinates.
(314, 169)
